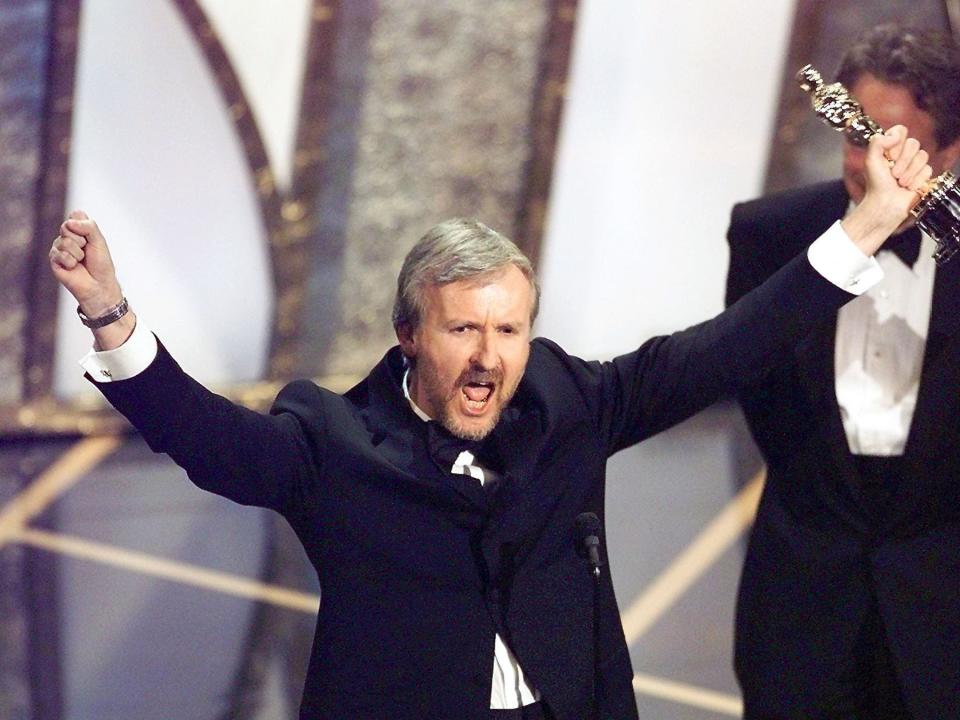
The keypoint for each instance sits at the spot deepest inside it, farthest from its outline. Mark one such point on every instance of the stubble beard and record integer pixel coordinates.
(467, 433)
(442, 401)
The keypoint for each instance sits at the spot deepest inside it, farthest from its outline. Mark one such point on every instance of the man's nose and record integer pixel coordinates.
(485, 352)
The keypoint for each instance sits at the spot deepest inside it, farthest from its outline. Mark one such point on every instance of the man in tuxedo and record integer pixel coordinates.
(446, 500)
(849, 603)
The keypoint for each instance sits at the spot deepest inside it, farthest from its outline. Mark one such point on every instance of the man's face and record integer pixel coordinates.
(889, 105)
(470, 350)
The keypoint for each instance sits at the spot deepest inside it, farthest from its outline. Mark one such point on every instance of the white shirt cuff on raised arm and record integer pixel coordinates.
(834, 256)
(122, 363)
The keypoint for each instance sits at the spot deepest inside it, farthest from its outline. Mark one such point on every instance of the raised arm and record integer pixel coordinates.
(671, 377)
(249, 457)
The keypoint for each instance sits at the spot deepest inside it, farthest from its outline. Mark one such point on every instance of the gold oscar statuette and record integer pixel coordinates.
(938, 211)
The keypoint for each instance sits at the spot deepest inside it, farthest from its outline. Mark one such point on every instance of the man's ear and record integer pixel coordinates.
(408, 343)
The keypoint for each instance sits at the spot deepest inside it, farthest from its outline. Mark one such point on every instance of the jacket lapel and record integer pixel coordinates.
(816, 358)
(399, 437)
(931, 429)
(816, 353)
(940, 371)
(523, 499)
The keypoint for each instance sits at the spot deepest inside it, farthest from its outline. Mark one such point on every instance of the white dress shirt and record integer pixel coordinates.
(880, 342)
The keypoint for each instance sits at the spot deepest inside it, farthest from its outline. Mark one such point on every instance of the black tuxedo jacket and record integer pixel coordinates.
(419, 570)
(814, 562)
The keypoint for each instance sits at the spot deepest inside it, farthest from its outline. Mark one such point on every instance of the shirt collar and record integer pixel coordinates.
(406, 393)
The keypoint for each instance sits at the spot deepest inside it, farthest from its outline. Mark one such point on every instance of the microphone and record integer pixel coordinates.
(588, 535)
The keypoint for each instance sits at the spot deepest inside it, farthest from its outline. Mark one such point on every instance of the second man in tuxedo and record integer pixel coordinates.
(849, 604)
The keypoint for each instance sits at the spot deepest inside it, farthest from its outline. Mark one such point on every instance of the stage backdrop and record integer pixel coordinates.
(261, 168)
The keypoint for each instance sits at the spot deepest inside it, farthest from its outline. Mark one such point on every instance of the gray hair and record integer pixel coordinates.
(453, 250)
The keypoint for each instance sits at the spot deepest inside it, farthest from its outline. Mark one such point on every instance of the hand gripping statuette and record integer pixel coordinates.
(938, 211)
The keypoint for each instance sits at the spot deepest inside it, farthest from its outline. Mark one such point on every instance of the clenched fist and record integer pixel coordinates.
(80, 261)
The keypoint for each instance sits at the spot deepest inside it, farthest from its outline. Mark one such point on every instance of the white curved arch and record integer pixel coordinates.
(157, 160)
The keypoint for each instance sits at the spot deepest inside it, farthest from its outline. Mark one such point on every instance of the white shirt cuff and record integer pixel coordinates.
(124, 362)
(834, 256)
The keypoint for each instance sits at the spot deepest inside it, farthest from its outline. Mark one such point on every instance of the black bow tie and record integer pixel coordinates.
(906, 245)
(445, 447)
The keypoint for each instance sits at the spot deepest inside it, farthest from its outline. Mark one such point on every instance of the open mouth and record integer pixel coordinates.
(477, 395)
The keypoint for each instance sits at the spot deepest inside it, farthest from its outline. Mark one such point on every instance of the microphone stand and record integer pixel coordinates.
(588, 529)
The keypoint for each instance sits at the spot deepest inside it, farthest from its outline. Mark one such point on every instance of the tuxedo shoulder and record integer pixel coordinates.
(560, 386)
(807, 201)
(554, 372)
(766, 233)
(546, 353)
(550, 365)
(304, 398)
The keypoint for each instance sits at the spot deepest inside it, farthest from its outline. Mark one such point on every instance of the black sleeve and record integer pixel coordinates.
(671, 377)
(252, 458)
